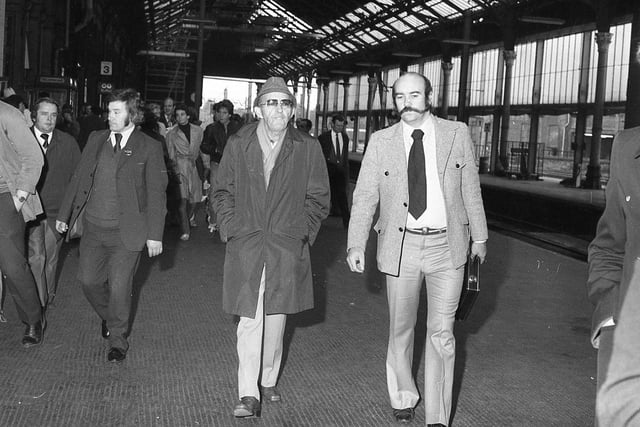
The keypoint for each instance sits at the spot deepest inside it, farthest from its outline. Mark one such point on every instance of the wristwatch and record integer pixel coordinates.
(22, 199)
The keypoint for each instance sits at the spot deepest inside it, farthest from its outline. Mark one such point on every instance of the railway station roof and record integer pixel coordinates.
(258, 38)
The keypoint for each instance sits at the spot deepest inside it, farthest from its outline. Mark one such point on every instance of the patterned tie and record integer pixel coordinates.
(417, 176)
(45, 137)
(116, 147)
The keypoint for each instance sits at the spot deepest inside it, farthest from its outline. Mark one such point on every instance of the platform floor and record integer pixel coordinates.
(524, 357)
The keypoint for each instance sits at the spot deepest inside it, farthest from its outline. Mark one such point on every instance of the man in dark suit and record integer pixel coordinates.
(62, 155)
(124, 171)
(168, 118)
(335, 147)
(614, 287)
(421, 174)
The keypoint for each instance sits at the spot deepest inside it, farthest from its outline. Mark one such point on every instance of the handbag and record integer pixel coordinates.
(470, 287)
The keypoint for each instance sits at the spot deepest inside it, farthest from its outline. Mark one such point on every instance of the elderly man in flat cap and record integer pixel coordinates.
(270, 195)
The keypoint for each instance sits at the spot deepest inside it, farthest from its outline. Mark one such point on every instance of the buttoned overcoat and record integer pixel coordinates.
(272, 227)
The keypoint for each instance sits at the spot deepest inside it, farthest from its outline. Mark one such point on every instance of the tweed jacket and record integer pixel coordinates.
(616, 246)
(383, 180)
(141, 181)
(272, 227)
(21, 159)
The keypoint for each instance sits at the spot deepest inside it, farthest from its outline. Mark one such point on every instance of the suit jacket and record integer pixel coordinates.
(273, 226)
(20, 159)
(141, 181)
(336, 162)
(383, 181)
(165, 122)
(616, 245)
(61, 159)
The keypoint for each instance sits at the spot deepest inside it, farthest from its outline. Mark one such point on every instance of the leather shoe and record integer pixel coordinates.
(271, 394)
(33, 335)
(248, 407)
(404, 415)
(105, 330)
(116, 355)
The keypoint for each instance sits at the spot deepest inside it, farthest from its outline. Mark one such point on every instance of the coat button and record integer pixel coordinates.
(405, 204)
(400, 229)
(386, 173)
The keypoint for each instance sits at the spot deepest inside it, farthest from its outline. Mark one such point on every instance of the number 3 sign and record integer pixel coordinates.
(106, 68)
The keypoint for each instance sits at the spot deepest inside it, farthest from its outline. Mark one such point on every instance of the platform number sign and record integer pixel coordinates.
(106, 68)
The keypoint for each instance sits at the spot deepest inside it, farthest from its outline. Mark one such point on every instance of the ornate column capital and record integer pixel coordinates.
(372, 81)
(446, 66)
(509, 56)
(603, 40)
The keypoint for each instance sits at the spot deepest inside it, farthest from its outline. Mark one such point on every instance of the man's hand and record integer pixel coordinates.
(479, 250)
(19, 198)
(355, 259)
(154, 247)
(61, 226)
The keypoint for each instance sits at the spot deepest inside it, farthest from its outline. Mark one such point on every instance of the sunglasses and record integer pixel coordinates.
(273, 103)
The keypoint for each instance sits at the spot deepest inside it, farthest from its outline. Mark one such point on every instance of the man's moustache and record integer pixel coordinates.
(415, 110)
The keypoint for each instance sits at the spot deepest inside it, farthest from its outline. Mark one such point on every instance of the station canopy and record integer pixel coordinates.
(291, 38)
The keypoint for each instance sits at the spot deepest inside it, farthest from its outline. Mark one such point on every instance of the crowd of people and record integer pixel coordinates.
(268, 186)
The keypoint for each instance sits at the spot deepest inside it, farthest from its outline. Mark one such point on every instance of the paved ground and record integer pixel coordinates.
(523, 355)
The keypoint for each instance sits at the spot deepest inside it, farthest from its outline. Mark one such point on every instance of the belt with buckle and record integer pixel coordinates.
(426, 231)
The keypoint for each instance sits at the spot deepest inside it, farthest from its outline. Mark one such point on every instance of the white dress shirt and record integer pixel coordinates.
(39, 138)
(337, 142)
(435, 216)
(125, 137)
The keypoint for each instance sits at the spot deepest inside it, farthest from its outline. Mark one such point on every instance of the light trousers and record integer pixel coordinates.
(428, 258)
(259, 348)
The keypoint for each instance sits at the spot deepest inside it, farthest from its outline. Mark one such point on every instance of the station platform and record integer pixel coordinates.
(523, 355)
(543, 212)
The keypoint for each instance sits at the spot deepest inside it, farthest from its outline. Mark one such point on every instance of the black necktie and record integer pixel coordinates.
(116, 147)
(45, 137)
(417, 176)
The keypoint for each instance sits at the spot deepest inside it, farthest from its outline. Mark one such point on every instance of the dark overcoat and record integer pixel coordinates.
(614, 250)
(272, 226)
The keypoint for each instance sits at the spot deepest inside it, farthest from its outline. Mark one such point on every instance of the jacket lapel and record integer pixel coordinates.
(444, 143)
(129, 150)
(285, 151)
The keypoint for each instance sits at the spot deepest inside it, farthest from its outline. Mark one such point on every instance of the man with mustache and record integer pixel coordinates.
(422, 174)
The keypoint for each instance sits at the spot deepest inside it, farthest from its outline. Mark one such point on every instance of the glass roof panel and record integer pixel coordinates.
(366, 38)
(443, 8)
(400, 26)
(378, 35)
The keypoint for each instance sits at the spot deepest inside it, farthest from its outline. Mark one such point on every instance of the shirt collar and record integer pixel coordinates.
(39, 135)
(426, 127)
(125, 136)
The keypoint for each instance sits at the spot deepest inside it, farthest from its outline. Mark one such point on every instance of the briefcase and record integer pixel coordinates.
(470, 287)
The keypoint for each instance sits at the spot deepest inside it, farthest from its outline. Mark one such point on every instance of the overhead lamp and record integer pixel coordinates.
(368, 64)
(407, 54)
(542, 20)
(344, 72)
(163, 53)
(461, 41)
